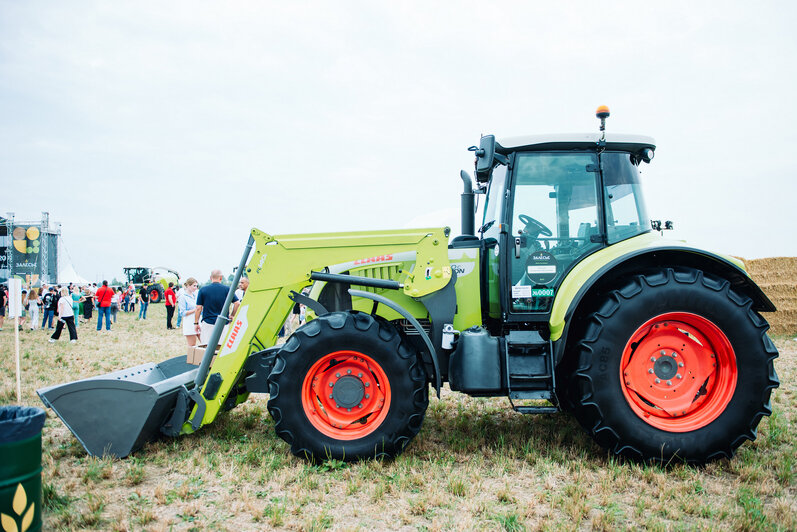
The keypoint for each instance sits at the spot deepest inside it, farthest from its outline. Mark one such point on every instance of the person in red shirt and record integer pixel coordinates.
(169, 300)
(103, 298)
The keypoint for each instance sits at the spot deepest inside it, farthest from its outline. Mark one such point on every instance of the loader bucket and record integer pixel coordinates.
(116, 413)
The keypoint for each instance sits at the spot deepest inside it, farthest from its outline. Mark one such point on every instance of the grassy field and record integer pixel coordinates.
(475, 464)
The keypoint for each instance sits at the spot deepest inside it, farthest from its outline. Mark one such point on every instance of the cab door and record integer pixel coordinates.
(553, 220)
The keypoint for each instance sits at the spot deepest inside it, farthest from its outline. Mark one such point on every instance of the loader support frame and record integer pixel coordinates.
(398, 308)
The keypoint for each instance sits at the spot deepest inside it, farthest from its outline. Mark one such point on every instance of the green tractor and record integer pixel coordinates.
(156, 280)
(567, 298)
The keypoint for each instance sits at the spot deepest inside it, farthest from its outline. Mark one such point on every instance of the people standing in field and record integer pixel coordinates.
(49, 302)
(209, 304)
(143, 300)
(169, 300)
(23, 314)
(115, 299)
(65, 318)
(104, 296)
(77, 299)
(243, 285)
(177, 295)
(34, 301)
(88, 303)
(133, 298)
(126, 300)
(3, 303)
(187, 306)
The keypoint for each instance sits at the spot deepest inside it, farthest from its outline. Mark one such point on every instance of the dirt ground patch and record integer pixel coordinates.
(475, 465)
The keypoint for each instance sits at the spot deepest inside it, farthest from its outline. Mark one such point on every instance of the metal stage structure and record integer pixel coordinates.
(29, 249)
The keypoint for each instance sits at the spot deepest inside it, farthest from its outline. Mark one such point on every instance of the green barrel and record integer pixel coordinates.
(21, 468)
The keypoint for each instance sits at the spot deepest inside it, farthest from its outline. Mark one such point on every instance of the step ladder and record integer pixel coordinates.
(530, 371)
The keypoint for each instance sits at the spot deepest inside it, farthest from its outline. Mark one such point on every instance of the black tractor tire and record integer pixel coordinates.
(155, 293)
(316, 349)
(732, 403)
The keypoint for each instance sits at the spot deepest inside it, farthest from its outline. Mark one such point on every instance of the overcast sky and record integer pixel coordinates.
(159, 133)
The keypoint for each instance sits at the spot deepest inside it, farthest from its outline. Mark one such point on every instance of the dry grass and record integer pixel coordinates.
(475, 465)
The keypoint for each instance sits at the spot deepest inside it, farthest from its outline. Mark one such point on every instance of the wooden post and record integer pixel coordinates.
(15, 309)
(16, 344)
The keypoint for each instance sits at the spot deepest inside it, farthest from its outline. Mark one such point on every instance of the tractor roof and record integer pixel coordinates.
(574, 141)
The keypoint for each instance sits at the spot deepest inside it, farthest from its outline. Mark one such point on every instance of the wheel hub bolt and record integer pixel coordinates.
(650, 370)
(331, 385)
(330, 396)
(360, 405)
(367, 384)
(678, 376)
(658, 381)
(680, 364)
(653, 359)
(367, 396)
(348, 372)
(337, 375)
(360, 375)
(662, 352)
(348, 410)
(669, 383)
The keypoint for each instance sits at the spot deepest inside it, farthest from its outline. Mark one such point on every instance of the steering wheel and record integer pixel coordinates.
(533, 227)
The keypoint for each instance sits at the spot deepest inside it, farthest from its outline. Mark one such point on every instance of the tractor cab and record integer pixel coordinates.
(550, 202)
(137, 275)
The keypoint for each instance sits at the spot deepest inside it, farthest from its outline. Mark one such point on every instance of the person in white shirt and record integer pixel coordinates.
(65, 317)
(187, 305)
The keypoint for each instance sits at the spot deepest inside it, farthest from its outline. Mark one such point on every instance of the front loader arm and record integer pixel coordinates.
(284, 263)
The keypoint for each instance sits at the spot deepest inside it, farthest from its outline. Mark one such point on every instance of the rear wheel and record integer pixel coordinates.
(674, 365)
(347, 386)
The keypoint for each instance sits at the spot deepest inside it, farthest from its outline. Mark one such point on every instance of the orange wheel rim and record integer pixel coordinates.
(678, 372)
(346, 395)
(154, 295)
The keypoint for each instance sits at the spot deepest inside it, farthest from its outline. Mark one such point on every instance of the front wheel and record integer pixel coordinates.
(347, 386)
(675, 365)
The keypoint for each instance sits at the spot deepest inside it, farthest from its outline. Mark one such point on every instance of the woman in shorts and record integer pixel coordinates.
(187, 304)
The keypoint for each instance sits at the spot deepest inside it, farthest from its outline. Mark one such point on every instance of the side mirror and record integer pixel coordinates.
(485, 158)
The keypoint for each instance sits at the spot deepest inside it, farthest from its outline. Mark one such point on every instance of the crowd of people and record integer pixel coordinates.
(58, 307)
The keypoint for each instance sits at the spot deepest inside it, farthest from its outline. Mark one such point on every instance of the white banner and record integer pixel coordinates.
(14, 297)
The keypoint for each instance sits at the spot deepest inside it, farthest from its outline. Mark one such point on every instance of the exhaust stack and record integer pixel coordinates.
(468, 206)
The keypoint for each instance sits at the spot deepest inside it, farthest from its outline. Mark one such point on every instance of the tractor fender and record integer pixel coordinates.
(406, 314)
(601, 270)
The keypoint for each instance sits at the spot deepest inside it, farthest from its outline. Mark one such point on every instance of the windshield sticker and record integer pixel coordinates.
(521, 292)
(541, 267)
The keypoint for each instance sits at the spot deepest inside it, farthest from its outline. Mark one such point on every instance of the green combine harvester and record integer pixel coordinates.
(567, 298)
(156, 280)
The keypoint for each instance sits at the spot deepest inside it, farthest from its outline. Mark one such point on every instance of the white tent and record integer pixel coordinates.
(67, 275)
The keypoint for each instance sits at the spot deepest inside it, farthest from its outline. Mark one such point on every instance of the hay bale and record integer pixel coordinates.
(777, 277)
